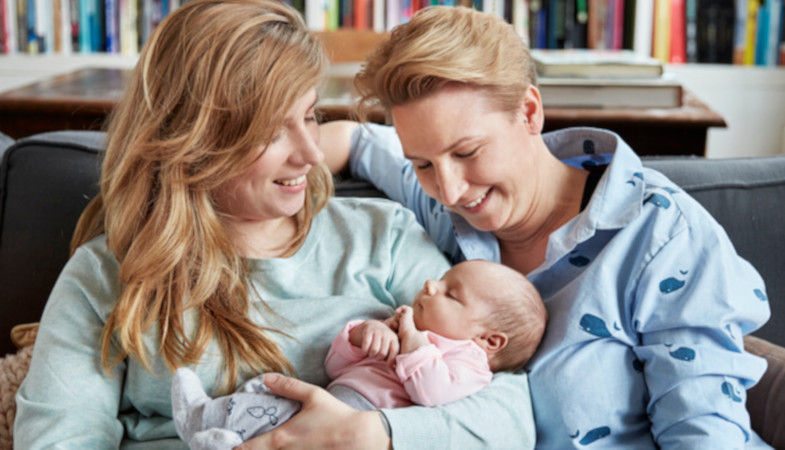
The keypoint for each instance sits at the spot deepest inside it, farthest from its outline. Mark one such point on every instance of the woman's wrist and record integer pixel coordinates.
(379, 428)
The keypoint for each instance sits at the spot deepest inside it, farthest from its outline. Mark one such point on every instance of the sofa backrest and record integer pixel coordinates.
(46, 181)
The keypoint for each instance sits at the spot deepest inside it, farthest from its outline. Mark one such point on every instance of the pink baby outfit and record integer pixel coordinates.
(435, 374)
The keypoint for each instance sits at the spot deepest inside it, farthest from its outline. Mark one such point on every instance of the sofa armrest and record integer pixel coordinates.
(765, 400)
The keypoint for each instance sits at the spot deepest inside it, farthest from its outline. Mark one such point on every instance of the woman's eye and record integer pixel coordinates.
(310, 119)
(467, 154)
(277, 137)
(423, 165)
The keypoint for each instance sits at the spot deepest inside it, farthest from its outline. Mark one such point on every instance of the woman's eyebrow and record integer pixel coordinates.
(459, 142)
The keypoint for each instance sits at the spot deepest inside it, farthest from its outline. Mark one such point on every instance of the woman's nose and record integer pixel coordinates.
(307, 149)
(451, 185)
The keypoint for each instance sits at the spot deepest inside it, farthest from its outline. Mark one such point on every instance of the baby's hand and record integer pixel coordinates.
(392, 321)
(376, 340)
(411, 338)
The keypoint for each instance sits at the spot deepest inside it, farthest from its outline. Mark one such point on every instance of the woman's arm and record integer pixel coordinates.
(500, 416)
(376, 156)
(67, 399)
(695, 301)
(335, 140)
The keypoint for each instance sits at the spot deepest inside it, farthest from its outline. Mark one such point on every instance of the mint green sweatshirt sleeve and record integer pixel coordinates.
(498, 417)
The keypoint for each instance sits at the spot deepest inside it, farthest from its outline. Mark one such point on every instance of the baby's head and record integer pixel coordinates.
(489, 303)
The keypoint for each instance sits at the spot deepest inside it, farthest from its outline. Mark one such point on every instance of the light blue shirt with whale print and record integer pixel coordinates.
(648, 302)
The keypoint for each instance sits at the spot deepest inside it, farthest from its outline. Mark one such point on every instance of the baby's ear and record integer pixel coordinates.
(491, 341)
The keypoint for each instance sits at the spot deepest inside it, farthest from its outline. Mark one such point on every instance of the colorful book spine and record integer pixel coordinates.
(129, 35)
(362, 14)
(393, 14)
(534, 25)
(644, 27)
(32, 38)
(569, 24)
(555, 28)
(111, 17)
(774, 36)
(678, 47)
(661, 44)
(520, 18)
(315, 15)
(378, 24)
(10, 33)
(346, 17)
(541, 40)
(691, 30)
(596, 24)
(333, 15)
(617, 25)
(761, 35)
(21, 25)
(74, 17)
(750, 32)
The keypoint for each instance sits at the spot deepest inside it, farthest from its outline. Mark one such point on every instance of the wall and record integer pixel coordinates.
(751, 99)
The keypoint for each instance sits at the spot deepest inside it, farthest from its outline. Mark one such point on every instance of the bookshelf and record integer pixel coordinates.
(759, 131)
(745, 32)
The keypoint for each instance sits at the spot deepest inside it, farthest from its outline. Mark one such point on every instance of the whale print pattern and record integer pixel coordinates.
(761, 296)
(658, 200)
(638, 175)
(729, 391)
(671, 284)
(594, 325)
(593, 435)
(682, 353)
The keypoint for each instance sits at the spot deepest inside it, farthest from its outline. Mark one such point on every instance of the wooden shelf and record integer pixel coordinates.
(82, 99)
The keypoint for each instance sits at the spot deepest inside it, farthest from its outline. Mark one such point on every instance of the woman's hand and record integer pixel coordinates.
(323, 421)
(411, 338)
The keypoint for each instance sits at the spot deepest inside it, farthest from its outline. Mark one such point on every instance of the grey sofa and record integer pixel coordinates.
(46, 180)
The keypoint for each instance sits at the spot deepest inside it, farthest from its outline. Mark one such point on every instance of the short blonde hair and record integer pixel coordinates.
(442, 45)
(212, 85)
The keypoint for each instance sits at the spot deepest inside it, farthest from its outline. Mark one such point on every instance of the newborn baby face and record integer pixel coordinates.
(454, 306)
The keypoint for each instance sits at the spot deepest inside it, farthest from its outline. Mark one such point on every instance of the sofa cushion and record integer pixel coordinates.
(45, 183)
(745, 196)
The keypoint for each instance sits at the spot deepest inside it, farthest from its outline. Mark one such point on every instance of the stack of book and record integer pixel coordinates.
(579, 78)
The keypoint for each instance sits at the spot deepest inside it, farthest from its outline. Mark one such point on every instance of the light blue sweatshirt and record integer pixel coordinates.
(361, 259)
(648, 302)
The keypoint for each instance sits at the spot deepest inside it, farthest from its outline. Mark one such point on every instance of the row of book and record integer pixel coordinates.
(79, 26)
(674, 31)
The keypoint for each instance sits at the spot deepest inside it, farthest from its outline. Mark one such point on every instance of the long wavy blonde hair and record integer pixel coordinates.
(441, 45)
(212, 85)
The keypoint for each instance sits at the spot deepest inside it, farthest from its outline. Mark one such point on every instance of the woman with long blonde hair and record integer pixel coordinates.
(214, 244)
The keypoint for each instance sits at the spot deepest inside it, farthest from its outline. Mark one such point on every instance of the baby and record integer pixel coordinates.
(481, 317)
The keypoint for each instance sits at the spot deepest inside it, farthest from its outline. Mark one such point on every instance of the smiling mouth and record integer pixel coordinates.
(292, 181)
(476, 202)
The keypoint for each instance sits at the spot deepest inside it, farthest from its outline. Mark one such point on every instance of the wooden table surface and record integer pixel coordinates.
(82, 99)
